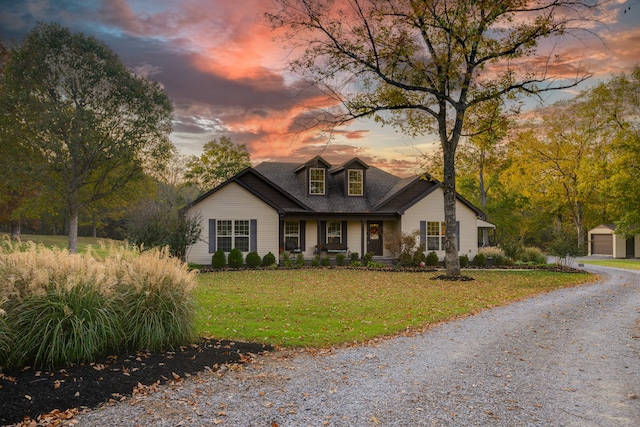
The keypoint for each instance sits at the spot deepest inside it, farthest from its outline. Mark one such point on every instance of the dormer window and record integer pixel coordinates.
(316, 181)
(356, 181)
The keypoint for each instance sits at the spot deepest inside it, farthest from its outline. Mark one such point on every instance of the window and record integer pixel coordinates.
(334, 232)
(233, 234)
(316, 181)
(355, 182)
(291, 235)
(435, 236)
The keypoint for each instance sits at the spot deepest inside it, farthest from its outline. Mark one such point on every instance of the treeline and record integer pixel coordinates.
(546, 180)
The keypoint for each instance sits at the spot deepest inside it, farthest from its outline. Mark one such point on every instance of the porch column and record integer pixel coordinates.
(363, 236)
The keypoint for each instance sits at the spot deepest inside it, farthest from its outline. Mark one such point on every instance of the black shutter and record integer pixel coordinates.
(212, 236)
(253, 235)
(282, 243)
(344, 233)
(423, 235)
(322, 233)
(303, 229)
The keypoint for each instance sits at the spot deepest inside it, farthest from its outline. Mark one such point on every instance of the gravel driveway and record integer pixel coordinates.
(567, 358)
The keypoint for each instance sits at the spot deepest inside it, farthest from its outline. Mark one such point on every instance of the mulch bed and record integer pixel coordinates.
(29, 393)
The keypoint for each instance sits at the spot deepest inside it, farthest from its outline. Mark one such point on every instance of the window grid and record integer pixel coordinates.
(435, 235)
(334, 232)
(292, 235)
(355, 182)
(316, 181)
(232, 234)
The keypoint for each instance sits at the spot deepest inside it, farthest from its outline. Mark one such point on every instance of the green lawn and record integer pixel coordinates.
(325, 307)
(617, 263)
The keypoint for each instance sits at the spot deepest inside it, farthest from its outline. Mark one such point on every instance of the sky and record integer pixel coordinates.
(226, 75)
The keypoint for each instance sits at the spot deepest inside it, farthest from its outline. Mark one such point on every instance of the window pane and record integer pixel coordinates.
(242, 244)
(355, 182)
(291, 235)
(224, 243)
(224, 228)
(433, 243)
(316, 181)
(433, 228)
(334, 232)
(242, 228)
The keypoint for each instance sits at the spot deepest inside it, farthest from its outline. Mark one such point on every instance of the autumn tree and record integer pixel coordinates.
(220, 160)
(94, 123)
(421, 65)
(618, 103)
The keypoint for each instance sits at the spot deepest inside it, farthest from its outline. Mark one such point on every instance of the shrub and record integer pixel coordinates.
(325, 261)
(479, 260)
(340, 257)
(367, 258)
(354, 256)
(253, 260)
(286, 259)
(235, 258)
(464, 260)
(432, 259)
(269, 260)
(69, 308)
(512, 249)
(219, 259)
(419, 256)
(496, 254)
(355, 264)
(315, 261)
(300, 260)
(64, 326)
(533, 255)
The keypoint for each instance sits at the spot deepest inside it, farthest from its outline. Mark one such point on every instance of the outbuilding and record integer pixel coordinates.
(603, 240)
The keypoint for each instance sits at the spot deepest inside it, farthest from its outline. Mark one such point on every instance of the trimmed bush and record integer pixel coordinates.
(235, 258)
(479, 260)
(464, 260)
(354, 256)
(269, 260)
(286, 259)
(315, 261)
(418, 257)
(219, 259)
(367, 258)
(325, 261)
(340, 257)
(432, 259)
(300, 260)
(253, 260)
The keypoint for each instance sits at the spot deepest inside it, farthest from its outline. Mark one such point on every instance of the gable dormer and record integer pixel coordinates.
(316, 171)
(352, 174)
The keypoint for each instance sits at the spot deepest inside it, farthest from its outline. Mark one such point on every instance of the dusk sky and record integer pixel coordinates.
(220, 66)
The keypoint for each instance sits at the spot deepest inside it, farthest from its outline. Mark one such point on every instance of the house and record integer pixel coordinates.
(317, 208)
(603, 240)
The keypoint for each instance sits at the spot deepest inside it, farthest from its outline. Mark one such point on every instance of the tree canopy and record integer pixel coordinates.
(95, 125)
(220, 160)
(427, 63)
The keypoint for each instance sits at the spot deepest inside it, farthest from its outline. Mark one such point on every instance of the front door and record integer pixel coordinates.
(374, 237)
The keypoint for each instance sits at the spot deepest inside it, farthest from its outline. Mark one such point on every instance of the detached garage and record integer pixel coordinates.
(603, 240)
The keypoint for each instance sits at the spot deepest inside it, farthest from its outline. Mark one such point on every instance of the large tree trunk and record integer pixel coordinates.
(451, 259)
(15, 229)
(73, 229)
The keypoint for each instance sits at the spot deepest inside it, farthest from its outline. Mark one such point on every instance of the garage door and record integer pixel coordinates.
(602, 244)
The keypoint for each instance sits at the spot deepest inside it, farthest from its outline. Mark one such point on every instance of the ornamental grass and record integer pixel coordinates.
(60, 308)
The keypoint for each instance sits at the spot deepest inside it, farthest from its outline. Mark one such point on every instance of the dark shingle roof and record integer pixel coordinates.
(377, 184)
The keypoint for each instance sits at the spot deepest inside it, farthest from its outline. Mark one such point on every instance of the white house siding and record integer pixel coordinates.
(235, 203)
(354, 236)
(431, 208)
